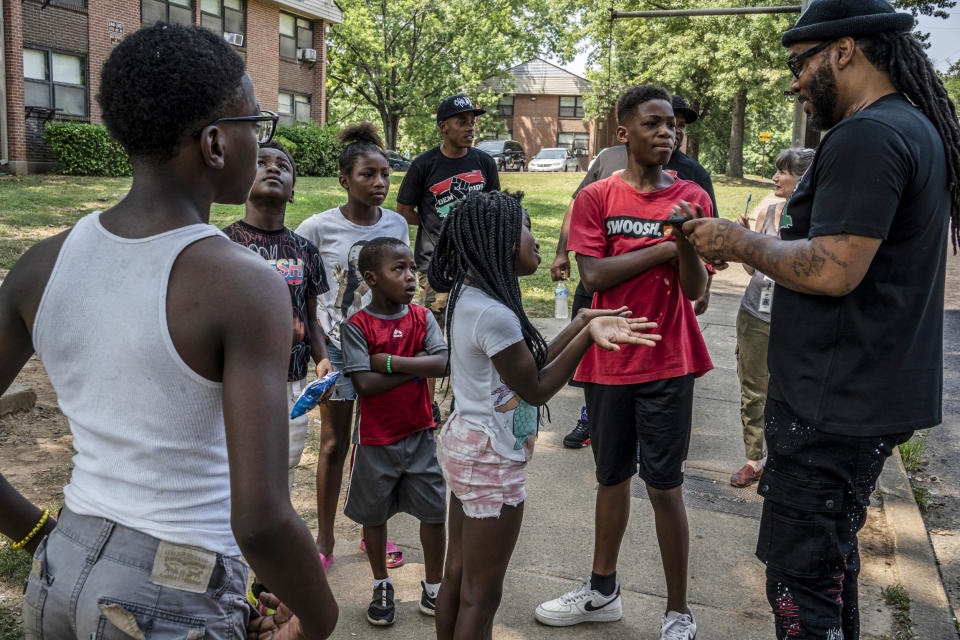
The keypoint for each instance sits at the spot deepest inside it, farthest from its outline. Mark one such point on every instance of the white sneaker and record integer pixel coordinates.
(583, 604)
(678, 626)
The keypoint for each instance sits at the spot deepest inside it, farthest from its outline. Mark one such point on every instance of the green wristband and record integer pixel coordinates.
(389, 370)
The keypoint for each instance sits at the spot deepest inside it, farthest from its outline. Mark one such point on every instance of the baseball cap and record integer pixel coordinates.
(456, 104)
(682, 108)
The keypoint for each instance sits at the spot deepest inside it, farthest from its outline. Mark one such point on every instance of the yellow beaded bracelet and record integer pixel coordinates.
(33, 532)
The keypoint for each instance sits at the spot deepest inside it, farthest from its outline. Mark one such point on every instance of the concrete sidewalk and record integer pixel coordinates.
(726, 587)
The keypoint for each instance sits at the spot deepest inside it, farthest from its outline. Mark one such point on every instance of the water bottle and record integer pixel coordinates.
(560, 297)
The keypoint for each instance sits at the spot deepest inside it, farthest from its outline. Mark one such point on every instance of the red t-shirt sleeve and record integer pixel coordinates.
(588, 236)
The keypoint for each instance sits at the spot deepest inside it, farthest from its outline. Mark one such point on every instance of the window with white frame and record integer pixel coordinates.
(54, 81)
(505, 106)
(574, 141)
(295, 33)
(172, 11)
(571, 107)
(223, 16)
(293, 107)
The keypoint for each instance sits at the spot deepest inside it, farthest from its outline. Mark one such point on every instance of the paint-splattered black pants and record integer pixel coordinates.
(816, 488)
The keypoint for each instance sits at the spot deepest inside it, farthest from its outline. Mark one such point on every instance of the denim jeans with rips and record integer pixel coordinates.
(816, 488)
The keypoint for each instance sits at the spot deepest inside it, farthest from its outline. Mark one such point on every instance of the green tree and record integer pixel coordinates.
(726, 66)
(951, 80)
(399, 58)
(935, 8)
(730, 68)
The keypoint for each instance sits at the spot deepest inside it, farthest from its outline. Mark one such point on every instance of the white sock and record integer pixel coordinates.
(377, 583)
(756, 464)
(431, 589)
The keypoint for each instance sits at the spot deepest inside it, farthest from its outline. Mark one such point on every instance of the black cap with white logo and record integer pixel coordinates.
(456, 104)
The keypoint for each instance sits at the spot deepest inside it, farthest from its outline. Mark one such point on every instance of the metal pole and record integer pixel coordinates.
(799, 117)
(733, 11)
(4, 144)
(763, 163)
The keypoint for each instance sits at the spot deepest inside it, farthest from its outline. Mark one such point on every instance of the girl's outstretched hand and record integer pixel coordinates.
(607, 332)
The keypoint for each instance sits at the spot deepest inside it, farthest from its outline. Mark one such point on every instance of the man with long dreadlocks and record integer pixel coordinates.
(856, 339)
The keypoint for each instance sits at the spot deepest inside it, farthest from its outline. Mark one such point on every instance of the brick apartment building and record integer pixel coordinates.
(53, 50)
(542, 106)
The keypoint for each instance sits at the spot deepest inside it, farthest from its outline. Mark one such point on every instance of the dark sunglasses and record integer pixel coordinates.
(795, 63)
(266, 125)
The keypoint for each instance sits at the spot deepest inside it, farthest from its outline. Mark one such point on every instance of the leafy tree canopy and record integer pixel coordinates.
(399, 58)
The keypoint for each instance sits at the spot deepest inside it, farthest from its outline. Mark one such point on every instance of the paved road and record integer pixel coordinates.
(555, 546)
(942, 475)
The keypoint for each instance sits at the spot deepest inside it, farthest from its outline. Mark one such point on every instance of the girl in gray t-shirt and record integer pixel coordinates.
(340, 233)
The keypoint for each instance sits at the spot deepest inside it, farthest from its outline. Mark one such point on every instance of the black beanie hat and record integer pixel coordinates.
(830, 19)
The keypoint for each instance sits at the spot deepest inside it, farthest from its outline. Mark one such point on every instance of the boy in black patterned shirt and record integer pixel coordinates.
(297, 260)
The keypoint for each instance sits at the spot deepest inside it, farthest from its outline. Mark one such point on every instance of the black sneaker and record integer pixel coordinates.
(579, 437)
(381, 611)
(436, 413)
(428, 605)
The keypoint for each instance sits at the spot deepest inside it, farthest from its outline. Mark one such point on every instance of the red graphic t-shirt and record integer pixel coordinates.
(611, 218)
(392, 415)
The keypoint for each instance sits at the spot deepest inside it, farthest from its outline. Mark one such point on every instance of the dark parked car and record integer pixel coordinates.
(508, 153)
(397, 161)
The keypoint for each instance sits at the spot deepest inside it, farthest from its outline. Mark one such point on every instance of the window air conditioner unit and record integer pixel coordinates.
(307, 55)
(236, 39)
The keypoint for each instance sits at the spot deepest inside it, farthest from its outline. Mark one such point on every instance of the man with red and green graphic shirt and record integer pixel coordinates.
(439, 178)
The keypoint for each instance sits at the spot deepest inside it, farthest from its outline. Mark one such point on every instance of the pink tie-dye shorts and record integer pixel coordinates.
(481, 479)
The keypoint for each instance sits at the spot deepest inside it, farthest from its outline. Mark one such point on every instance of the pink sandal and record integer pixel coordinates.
(393, 550)
(325, 561)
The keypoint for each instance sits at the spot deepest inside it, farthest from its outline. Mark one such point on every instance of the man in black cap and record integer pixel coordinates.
(856, 338)
(608, 162)
(435, 181)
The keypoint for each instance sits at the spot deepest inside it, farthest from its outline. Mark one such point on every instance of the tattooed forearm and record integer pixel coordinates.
(826, 265)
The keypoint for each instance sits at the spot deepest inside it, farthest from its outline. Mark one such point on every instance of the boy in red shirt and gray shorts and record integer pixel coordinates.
(628, 254)
(390, 348)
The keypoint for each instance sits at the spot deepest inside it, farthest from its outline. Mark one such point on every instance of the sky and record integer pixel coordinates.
(944, 42)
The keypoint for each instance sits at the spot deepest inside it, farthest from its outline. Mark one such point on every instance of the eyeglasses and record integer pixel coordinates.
(266, 125)
(795, 63)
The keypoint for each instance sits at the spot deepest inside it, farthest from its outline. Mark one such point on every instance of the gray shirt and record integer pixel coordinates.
(758, 282)
(481, 328)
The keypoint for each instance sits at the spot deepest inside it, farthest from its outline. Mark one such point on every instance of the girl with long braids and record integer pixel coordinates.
(340, 233)
(501, 369)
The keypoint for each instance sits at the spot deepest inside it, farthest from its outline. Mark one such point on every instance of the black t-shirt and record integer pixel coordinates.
(298, 261)
(613, 159)
(871, 362)
(689, 169)
(434, 183)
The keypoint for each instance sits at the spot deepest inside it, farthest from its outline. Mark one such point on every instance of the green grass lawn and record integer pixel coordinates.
(34, 207)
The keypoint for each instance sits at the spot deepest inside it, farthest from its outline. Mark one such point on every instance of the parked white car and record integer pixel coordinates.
(554, 159)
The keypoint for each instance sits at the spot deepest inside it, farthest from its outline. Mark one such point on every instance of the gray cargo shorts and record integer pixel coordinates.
(93, 578)
(401, 476)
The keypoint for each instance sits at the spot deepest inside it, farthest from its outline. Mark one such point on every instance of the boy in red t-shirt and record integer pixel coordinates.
(390, 348)
(629, 255)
